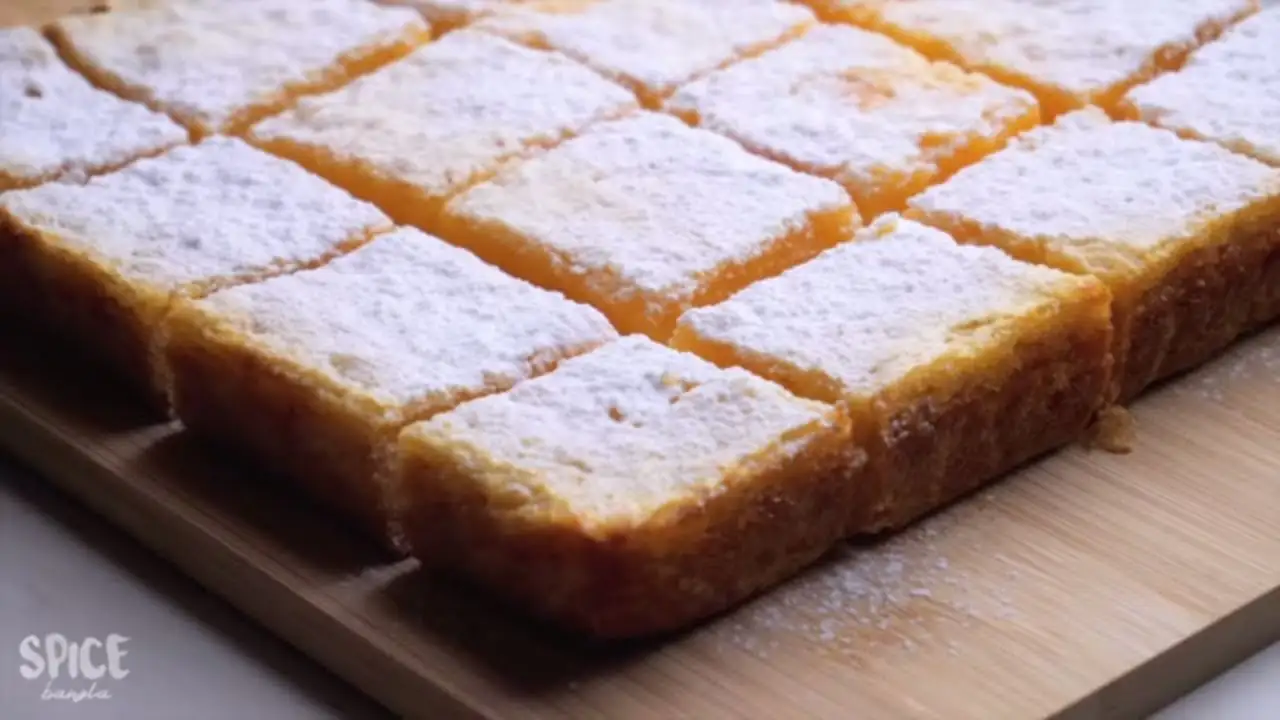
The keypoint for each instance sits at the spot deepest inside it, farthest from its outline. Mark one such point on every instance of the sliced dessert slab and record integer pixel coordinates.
(315, 373)
(1071, 53)
(412, 135)
(54, 124)
(218, 66)
(634, 490)
(644, 217)
(651, 46)
(954, 363)
(1179, 230)
(101, 263)
(857, 107)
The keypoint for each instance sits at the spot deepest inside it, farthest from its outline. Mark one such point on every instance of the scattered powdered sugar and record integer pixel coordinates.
(1245, 364)
(898, 592)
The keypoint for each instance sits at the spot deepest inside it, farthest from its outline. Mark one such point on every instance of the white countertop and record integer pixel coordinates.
(189, 655)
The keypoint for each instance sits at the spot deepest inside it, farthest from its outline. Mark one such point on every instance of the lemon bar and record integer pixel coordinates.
(54, 124)
(102, 262)
(1179, 230)
(634, 490)
(414, 134)
(1228, 92)
(651, 45)
(218, 66)
(954, 363)
(315, 373)
(644, 217)
(1071, 53)
(860, 109)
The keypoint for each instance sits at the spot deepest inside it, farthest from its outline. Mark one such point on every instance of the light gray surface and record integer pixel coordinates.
(192, 657)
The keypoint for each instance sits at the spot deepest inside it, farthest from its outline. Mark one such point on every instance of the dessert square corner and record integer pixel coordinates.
(314, 373)
(1181, 231)
(644, 217)
(955, 364)
(634, 490)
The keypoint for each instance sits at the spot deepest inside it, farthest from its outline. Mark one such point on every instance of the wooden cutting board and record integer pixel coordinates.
(1088, 585)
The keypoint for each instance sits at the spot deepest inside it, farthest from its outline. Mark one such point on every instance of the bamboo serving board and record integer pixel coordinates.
(1088, 585)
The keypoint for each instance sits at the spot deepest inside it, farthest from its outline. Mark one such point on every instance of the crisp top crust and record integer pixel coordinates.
(199, 215)
(208, 61)
(622, 431)
(851, 104)
(409, 319)
(1080, 46)
(53, 122)
(651, 202)
(651, 44)
(452, 110)
(1229, 91)
(898, 297)
(1085, 185)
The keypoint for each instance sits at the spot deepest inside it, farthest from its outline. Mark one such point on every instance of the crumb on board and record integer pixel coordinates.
(1113, 431)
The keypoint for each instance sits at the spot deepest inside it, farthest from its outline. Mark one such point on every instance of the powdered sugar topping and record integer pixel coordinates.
(199, 216)
(451, 111)
(648, 205)
(619, 432)
(207, 62)
(408, 319)
(899, 297)
(55, 124)
(853, 106)
(1229, 92)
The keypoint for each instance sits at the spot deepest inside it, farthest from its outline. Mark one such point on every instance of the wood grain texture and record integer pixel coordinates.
(1088, 585)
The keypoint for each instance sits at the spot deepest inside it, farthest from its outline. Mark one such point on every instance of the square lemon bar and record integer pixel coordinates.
(1228, 92)
(634, 490)
(414, 134)
(101, 263)
(315, 373)
(860, 109)
(217, 67)
(54, 124)
(644, 217)
(954, 363)
(1070, 53)
(1179, 230)
(651, 46)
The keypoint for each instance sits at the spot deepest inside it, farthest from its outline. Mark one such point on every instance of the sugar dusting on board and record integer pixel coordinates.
(1244, 364)
(897, 592)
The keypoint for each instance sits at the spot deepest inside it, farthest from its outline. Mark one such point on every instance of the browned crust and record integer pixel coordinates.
(937, 450)
(1203, 304)
(59, 294)
(238, 398)
(659, 577)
